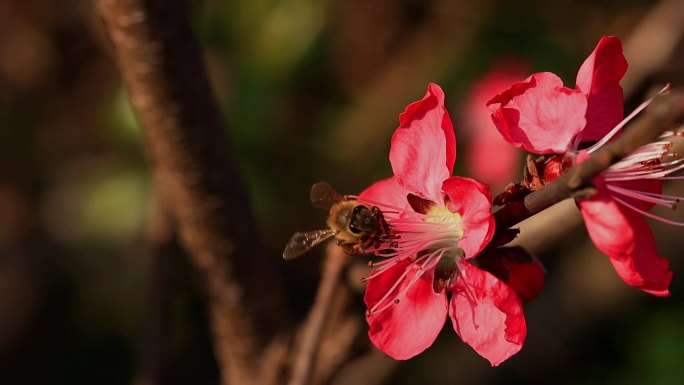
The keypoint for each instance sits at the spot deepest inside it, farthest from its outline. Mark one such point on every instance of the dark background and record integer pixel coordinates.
(310, 90)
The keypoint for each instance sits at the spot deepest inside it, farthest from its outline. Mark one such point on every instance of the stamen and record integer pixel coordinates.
(428, 262)
(640, 172)
(382, 269)
(391, 289)
(381, 263)
(646, 213)
(663, 200)
(419, 273)
(649, 152)
(672, 198)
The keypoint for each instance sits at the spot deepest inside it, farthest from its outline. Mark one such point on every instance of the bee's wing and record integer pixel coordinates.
(324, 196)
(300, 243)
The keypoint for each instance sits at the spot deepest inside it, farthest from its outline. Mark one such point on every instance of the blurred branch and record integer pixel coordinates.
(341, 335)
(335, 261)
(375, 365)
(536, 235)
(661, 115)
(162, 245)
(164, 74)
(651, 43)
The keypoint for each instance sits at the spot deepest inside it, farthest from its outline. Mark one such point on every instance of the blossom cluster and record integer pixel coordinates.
(431, 270)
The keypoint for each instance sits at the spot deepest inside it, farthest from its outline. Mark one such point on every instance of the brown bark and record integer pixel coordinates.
(164, 74)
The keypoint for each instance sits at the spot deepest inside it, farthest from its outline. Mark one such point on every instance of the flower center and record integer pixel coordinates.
(420, 238)
(441, 215)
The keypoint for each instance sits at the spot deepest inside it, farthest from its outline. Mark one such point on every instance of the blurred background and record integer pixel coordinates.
(94, 288)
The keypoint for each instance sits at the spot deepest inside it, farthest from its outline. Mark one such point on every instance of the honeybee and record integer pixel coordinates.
(356, 226)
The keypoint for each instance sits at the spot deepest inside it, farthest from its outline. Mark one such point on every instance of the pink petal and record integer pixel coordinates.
(599, 79)
(473, 201)
(487, 314)
(539, 114)
(387, 191)
(423, 148)
(409, 327)
(626, 238)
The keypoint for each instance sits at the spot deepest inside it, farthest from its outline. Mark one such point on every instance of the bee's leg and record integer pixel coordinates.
(365, 242)
(349, 247)
(377, 214)
(371, 241)
(380, 219)
(378, 242)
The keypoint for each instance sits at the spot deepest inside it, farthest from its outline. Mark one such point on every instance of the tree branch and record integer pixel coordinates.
(661, 115)
(164, 74)
(335, 261)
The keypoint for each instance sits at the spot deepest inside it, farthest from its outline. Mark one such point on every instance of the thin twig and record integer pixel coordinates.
(659, 117)
(166, 80)
(312, 331)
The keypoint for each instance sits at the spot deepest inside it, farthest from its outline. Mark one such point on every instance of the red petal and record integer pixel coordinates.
(423, 148)
(487, 314)
(387, 191)
(539, 114)
(626, 238)
(473, 201)
(599, 79)
(409, 327)
(517, 267)
(526, 279)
